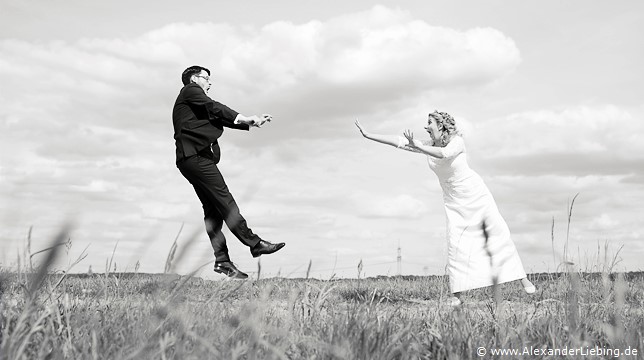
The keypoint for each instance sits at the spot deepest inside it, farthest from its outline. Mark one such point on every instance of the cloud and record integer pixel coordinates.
(381, 47)
(403, 206)
(364, 61)
(603, 222)
(373, 57)
(582, 140)
(577, 129)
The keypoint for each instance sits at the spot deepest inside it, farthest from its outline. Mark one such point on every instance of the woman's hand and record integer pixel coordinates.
(384, 139)
(410, 137)
(362, 130)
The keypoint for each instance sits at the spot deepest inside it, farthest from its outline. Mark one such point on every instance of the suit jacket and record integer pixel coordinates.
(199, 121)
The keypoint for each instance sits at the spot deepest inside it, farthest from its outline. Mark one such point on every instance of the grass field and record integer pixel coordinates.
(45, 314)
(162, 316)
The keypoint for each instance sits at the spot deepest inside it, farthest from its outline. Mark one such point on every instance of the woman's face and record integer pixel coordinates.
(432, 128)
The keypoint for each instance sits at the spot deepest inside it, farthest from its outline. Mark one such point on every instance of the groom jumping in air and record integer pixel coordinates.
(198, 122)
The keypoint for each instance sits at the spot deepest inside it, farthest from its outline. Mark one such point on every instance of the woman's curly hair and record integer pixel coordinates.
(447, 127)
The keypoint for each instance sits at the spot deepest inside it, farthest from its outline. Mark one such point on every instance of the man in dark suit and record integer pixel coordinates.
(198, 122)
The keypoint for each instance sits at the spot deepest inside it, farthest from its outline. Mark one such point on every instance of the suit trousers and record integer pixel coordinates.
(219, 206)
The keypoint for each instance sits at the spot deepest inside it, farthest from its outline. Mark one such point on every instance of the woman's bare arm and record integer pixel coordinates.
(384, 139)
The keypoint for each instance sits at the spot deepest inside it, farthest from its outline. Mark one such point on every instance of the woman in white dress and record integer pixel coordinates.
(480, 250)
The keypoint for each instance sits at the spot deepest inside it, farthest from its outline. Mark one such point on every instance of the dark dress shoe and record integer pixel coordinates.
(264, 247)
(227, 268)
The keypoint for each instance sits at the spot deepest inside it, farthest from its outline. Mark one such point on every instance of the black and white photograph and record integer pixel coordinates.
(317, 180)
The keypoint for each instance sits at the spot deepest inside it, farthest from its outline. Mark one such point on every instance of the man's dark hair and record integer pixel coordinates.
(187, 73)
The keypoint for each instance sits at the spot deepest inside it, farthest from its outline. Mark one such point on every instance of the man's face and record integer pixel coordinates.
(202, 79)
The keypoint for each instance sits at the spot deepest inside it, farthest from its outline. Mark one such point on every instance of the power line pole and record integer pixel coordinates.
(399, 260)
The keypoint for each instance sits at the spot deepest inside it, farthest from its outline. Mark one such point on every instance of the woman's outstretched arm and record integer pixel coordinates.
(452, 149)
(392, 140)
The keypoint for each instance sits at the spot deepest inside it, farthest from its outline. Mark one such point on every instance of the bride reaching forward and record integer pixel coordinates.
(480, 250)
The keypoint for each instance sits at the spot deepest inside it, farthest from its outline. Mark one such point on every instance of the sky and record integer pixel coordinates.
(548, 96)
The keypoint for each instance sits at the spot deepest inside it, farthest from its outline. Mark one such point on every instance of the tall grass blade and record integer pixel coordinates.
(52, 252)
(308, 269)
(173, 250)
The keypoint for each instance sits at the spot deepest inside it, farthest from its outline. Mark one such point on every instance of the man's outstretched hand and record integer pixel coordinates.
(253, 120)
(264, 119)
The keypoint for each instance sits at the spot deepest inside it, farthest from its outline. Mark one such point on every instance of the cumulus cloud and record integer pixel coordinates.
(111, 98)
(582, 140)
(577, 129)
(370, 57)
(381, 48)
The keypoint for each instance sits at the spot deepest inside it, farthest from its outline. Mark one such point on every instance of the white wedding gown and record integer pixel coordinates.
(474, 259)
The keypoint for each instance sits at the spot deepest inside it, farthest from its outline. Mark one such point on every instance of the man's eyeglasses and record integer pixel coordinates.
(205, 77)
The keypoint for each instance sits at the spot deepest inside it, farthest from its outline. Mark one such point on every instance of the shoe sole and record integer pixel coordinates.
(271, 252)
(233, 275)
